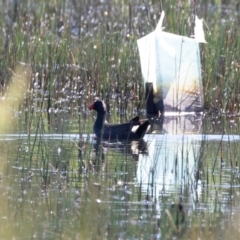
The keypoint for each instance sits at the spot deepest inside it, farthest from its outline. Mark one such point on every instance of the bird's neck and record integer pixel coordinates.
(98, 125)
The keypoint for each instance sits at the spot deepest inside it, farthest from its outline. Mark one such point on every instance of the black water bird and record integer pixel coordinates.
(133, 130)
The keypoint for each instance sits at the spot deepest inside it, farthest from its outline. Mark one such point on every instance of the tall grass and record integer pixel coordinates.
(78, 50)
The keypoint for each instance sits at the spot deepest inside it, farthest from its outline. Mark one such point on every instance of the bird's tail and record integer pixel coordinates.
(143, 128)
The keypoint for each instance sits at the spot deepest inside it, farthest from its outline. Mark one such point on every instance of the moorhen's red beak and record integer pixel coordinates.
(91, 106)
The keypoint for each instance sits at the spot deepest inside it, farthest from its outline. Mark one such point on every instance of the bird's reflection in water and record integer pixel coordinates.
(173, 219)
(131, 148)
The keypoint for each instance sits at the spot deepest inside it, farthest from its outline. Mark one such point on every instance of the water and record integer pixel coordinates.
(182, 181)
(50, 190)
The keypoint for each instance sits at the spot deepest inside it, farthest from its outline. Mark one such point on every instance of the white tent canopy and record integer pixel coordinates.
(172, 64)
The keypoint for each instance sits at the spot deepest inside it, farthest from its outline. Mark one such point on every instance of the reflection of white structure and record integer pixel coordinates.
(172, 165)
(172, 63)
(182, 124)
(169, 164)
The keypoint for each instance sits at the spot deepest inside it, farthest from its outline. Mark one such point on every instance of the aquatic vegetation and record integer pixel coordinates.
(79, 51)
(52, 183)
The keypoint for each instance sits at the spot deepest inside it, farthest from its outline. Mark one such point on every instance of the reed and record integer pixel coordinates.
(98, 57)
(75, 51)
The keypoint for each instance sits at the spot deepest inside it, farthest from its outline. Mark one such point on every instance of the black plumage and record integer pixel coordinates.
(133, 130)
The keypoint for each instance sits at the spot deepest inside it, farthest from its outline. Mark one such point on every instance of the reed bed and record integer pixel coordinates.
(74, 51)
(77, 51)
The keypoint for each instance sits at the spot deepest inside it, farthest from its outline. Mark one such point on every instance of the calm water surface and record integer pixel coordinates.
(54, 186)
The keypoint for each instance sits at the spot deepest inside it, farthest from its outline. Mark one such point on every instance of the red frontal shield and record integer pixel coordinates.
(91, 106)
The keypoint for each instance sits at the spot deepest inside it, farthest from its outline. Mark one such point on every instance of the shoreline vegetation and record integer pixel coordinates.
(55, 58)
(77, 51)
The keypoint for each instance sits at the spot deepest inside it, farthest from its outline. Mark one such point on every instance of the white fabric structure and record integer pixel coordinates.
(172, 63)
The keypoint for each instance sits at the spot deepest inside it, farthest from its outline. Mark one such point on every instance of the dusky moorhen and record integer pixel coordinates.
(133, 130)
